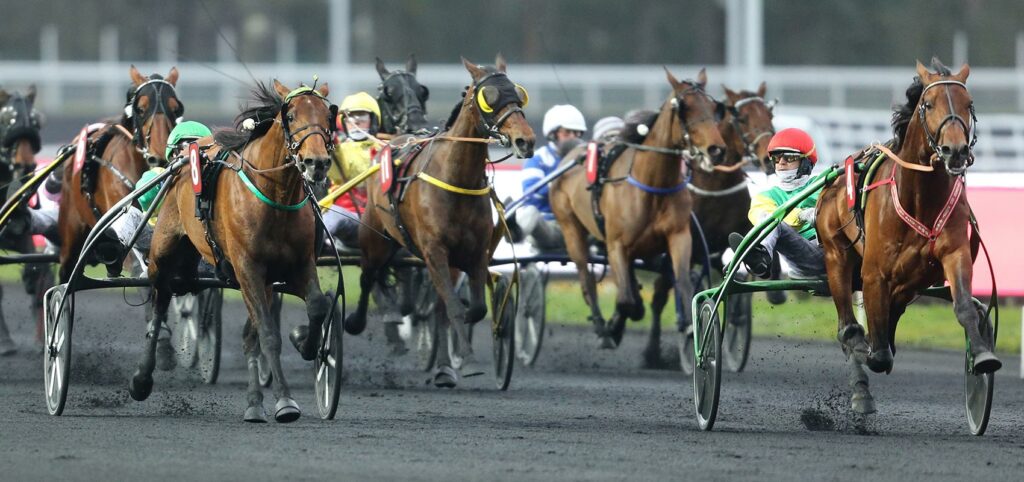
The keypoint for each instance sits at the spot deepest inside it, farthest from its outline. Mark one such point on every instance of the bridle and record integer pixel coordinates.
(160, 106)
(490, 124)
(398, 118)
(678, 103)
(953, 116)
(293, 144)
(749, 145)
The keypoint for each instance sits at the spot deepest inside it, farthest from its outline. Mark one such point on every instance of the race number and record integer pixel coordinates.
(591, 162)
(83, 142)
(386, 169)
(193, 162)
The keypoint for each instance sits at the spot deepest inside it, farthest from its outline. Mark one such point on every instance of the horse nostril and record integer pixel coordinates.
(945, 151)
(716, 152)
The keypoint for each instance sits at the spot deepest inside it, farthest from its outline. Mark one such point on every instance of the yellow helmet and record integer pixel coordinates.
(360, 101)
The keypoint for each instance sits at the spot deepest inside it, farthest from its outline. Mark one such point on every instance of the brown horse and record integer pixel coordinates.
(263, 240)
(451, 231)
(20, 124)
(119, 153)
(892, 260)
(721, 198)
(645, 204)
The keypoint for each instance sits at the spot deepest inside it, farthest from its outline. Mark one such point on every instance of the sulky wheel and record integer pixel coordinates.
(182, 319)
(502, 327)
(207, 314)
(736, 338)
(530, 318)
(327, 365)
(58, 323)
(707, 373)
(978, 386)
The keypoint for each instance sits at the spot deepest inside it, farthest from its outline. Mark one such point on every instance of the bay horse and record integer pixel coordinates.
(20, 124)
(646, 205)
(450, 230)
(720, 196)
(260, 227)
(119, 153)
(915, 231)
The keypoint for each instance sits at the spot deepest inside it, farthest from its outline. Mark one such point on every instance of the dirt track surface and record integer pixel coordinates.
(580, 413)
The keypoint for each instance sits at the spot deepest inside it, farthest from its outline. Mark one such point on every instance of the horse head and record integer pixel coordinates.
(747, 125)
(306, 119)
(20, 124)
(945, 112)
(402, 99)
(151, 110)
(697, 129)
(499, 103)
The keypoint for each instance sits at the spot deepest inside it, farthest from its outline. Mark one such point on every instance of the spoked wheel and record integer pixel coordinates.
(707, 373)
(208, 317)
(262, 365)
(686, 350)
(978, 386)
(530, 319)
(57, 350)
(736, 342)
(503, 323)
(183, 320)
(327, 365)
(424, 324)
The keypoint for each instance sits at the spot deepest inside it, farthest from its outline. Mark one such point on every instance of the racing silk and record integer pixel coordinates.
(351, 158)
(765, 203)
(543, 162)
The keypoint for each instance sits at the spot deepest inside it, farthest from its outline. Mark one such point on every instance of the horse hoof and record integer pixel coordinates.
(880, 361)
(776, 297)
(298, 337)
(165, 358)
(255, 415)
(445, 377)
(862, 403)
(354, 324)
(286, 410)
(140, 386)
(607, 343)
(986, 362)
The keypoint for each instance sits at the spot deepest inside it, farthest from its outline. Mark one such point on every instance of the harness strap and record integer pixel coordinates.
(931, 234)
(270, 202)
(909, 165)
(450, 188)
(718, 193)
(658, 191)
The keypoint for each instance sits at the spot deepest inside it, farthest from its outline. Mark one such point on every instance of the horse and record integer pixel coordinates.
(402, 99)
(124, 149)
(446, 219)
(915, 230)
(720, 196)
(20, 124)
(254, 238)
(649, 213)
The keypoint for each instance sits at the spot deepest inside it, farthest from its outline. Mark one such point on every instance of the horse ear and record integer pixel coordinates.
(473, 70)
(172, 77)
(923, 73)
(729, 92)
(137, 78)
(381, 69)
(963, 73)
(500, 63)
(762, 89)
(281, 89)
(671, 79)
(410, 65)
(31, 95)
(324, 90)
(702, 78)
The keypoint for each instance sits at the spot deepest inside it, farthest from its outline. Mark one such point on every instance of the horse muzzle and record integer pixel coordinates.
(956, 158)
(314, 169)
(522, 147)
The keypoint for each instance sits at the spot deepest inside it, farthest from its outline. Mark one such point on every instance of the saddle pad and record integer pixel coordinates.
(851, 183)
(591, 162)
(196, 168)
(387, 166)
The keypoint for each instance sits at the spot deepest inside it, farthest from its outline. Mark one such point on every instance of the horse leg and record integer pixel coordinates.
(576, 246)
(652, 353)
(444, 375)
(625, 298)
(306, 338)
(436, 259)
(141, 383)
(877, 304)
(254, 412)
(7, 346)
(958, 271)
(477, 292)
(680, 246)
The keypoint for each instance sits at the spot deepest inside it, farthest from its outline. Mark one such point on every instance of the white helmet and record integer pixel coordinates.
(565, 116)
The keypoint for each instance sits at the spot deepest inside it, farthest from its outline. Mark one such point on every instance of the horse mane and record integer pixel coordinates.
(903, 113)
(266, 107)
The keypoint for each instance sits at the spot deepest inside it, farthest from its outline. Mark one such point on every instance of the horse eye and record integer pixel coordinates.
(927, 105)
(291, 116)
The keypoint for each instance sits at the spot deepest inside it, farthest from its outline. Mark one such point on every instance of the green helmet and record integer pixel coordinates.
(185, 131)
(147, 198)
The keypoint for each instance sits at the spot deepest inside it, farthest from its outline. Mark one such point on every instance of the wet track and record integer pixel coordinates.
(580, 414)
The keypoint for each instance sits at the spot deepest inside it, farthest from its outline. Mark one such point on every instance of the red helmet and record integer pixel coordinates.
(795, 141)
